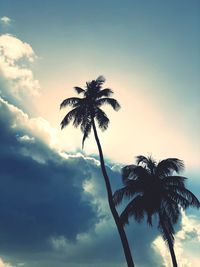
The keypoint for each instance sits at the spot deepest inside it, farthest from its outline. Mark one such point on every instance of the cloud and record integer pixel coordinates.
(52, 210)
(54, 205)
(5, 20)
(39, 127)
(50, 196)
(190, 229)
(40, 191)
(5, 264)
(17, 79)
(186, 239)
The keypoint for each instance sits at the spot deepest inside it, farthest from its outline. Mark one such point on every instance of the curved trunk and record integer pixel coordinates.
(169, 241)
(116, 217)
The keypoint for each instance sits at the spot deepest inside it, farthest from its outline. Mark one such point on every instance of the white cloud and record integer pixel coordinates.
(5, 264)
(190, 229)
(185, 239)
(26, 138)
(34, 127)
(13, 48)
(14, 58)
(5, 20)
(37, 128)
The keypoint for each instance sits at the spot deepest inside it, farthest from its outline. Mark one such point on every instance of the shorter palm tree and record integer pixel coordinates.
(152, 189)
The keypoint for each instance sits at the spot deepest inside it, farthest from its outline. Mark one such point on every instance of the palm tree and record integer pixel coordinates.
(152, 189)
(86, 112)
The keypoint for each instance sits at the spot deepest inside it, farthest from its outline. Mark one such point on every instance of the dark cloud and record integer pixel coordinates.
(47, 218)
(38, 199)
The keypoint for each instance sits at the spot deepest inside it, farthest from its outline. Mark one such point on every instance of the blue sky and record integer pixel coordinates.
(149, 52)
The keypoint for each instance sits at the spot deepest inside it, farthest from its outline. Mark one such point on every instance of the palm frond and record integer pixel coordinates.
(148, 163)
(179, 200)
(168, 166)
(79, 90)
(128, 172)
(171, 208)
(86, 133)
(167, 233)
(174, 181)
(166, 228)
(109, 101)
(126, 192)
(141, 159)
(71, 101)
(78, 119)
(132, 172)
(102, 119)
(86, 124)
(135, 208)
(92, 90)
(149, 218)
(105, 93)
(151, 165)
(190, 198)
(101, 79)
(69, 116)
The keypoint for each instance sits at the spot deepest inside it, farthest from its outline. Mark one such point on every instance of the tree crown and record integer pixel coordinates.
(87, 109)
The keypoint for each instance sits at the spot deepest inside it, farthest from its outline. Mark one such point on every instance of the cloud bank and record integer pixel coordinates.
(17, 78)
(52, 211)
(187, 241)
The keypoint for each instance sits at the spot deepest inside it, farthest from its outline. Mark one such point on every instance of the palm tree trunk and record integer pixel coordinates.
(169, 241)
(173, 256)
(116, 217)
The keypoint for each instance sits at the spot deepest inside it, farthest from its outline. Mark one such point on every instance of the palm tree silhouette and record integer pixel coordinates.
(85, 113)
(152, 189)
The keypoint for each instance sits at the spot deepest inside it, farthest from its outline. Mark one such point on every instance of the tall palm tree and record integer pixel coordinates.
(152, 189)
(86, 112)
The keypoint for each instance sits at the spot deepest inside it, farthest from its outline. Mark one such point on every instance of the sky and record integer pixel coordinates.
(54, 213)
